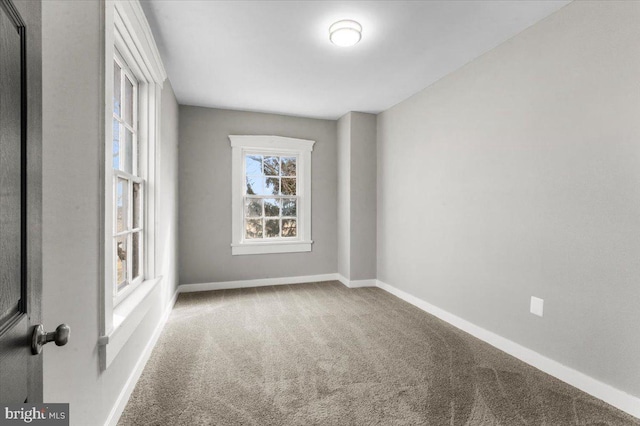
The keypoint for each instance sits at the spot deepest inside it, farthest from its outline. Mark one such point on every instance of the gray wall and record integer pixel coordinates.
(519, 175)
(72, 144)
(344, 197)
(357, 196)
(205, 196)
(363, 196)
(167, 245)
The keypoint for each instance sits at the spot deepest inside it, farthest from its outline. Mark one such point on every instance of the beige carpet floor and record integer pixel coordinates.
(323, 354)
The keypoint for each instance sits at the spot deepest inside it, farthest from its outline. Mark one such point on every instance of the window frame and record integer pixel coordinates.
(242, 145)
(126, 30)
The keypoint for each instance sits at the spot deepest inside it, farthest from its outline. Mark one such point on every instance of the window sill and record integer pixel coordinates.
(271, 247)
(126, 318)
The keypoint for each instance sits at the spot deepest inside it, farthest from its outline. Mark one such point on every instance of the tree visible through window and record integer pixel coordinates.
(128, 184)
(270, 199)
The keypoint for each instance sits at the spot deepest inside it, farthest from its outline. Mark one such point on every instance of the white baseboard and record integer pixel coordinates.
(224, 285)
(619, 399)
(126, 391)
(357, 283)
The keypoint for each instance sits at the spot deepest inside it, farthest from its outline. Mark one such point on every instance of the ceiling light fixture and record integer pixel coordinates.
(345, 33)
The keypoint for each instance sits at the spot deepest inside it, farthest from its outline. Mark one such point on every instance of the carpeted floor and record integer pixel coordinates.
(323, 354)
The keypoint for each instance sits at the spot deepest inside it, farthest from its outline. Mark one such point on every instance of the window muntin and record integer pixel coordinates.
(128, 184)
(270, 197)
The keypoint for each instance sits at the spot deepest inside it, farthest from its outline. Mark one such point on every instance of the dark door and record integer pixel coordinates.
(20, 199)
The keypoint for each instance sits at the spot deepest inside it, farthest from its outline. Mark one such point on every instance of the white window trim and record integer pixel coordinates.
(301, 148)
(127, 30)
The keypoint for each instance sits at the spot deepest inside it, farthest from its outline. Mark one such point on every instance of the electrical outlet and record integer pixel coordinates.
(537, 306)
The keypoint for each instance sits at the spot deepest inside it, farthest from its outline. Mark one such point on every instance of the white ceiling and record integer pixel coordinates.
(275, 56)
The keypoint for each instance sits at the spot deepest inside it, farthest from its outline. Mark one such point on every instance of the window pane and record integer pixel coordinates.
(253, 207)
(272, 186)
(121, 262)
(288, 186)
(116, 88)
(288, 166)
(259, 185)
(289, 207)
(255, 185)
(136, 156)
(116, 144)
(271, 207)
(289, 228)
(272, 228)
(122, 199)
(253, 165)
(128, 156)
(137, 207)
(128, 101)
(253, 228)
(135, 254)
(271, 166)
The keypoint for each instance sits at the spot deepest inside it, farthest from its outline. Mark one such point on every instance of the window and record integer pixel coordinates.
(128, 182)
(271, 194)
(270, 198)
(133, 80)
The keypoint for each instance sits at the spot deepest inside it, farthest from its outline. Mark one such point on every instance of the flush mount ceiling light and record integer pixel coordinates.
(345, 33)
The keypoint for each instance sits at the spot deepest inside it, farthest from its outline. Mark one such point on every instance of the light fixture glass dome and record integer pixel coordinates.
(345, 33)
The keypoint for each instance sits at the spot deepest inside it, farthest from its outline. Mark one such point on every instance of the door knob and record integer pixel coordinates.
(41, 338)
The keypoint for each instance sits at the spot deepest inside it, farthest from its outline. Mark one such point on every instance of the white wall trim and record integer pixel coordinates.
(126, 318)
(133, 20)
(125, 393)
(271, 247)
(271, 142)
(357, 283)
(224, 285)
(607, 393)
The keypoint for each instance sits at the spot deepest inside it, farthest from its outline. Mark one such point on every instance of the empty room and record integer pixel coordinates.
(320, 212)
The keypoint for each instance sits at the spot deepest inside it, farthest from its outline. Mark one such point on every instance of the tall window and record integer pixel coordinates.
(128, 184)
(134, 77)
(271, 195)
